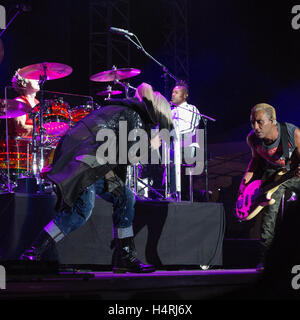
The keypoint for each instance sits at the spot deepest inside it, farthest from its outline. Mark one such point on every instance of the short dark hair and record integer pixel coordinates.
(184, 85)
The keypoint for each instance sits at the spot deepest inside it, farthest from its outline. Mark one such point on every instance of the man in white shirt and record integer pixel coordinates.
(185, 115)
(186, 118)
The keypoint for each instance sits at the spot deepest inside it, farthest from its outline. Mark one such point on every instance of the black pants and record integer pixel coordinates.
(271, 218)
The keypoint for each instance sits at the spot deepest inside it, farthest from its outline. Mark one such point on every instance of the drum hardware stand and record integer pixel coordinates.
(4, 181)
(150, 187)
(109, 91)
(94, 105)
(38, 164)
(135, 185)
(134, 177)
(126, 86)
(10, 184)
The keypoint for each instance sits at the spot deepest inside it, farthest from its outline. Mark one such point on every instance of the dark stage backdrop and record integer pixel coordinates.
(240, 53)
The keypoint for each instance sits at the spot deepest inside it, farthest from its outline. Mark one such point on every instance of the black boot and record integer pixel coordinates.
(38, 247)
(124, 258)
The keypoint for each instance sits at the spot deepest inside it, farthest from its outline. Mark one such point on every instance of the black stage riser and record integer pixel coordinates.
(165, 233)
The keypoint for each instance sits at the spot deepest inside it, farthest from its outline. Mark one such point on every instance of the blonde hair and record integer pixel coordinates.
(160, 104)
(269, 110)
(19, 83)
(162, 108)
(144, 90)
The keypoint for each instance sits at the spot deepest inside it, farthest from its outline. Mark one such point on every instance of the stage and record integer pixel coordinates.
(166, 233)
(160, 285)
(185, 241)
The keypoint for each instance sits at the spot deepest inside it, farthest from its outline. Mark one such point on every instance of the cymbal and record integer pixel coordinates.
(14, 108)
(108, 92)
(53, 71)
(115, 74)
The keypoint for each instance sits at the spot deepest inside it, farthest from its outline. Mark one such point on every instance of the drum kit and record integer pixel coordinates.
(115, 75)
(26, 156)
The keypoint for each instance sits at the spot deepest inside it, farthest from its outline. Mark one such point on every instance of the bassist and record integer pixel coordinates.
(274, 146)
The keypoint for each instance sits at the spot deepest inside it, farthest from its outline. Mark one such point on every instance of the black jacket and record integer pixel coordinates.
(75, 167)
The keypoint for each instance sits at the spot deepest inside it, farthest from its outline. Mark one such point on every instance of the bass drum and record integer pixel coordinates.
(17, 156)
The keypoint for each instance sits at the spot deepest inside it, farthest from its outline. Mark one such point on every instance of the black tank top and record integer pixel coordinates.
(273, 154)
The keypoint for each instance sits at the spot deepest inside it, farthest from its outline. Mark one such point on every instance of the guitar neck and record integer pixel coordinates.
(290, 174)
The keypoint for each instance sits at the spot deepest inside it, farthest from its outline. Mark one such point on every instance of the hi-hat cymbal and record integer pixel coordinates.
(49, 70)
(14, 108)
(108, 92)
(115, 74)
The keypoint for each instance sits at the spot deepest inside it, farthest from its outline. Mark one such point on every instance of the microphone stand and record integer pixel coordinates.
(204, 117)
(205, 120)
(165, 73)
(141, 48)
(21, 8)
(12, 19)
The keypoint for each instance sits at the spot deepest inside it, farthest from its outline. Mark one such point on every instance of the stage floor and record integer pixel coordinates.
(107, 286)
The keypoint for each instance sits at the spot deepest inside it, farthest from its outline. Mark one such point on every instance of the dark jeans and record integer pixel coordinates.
(270, 215)
(123, 211)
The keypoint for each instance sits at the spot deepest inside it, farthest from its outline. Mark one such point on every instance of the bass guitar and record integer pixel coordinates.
(258, 195)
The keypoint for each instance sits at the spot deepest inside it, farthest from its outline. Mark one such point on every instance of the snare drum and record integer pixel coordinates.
(56, 118)
(79, 112)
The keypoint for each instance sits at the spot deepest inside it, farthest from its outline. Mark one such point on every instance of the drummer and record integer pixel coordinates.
(27, 89)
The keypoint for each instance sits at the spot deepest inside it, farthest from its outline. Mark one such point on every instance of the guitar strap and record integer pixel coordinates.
(285, 144)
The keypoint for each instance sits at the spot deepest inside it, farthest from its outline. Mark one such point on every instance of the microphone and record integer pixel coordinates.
(120, 31)
(173, 105)
(23, 7)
